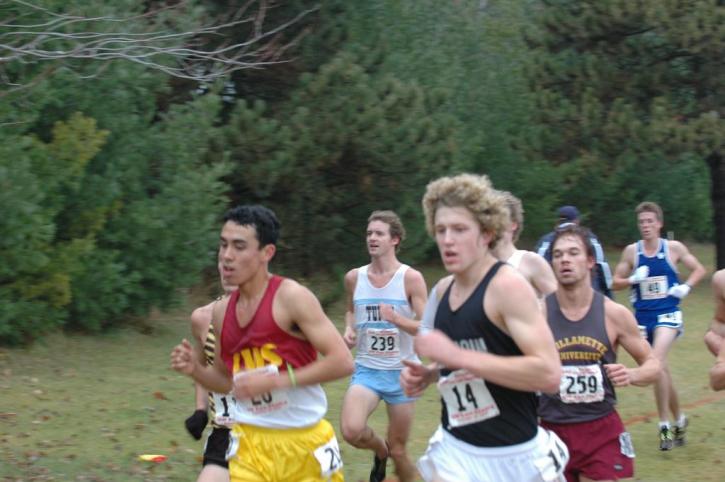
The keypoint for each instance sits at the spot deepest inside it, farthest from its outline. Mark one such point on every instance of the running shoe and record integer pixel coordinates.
(679, 433)
(379, 466)
(666, 442)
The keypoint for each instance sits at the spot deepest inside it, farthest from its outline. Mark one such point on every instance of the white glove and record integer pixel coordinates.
(640, 274)
(679, 291)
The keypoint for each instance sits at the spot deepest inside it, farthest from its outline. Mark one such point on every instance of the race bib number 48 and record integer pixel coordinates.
(581, 384)
(467, 398)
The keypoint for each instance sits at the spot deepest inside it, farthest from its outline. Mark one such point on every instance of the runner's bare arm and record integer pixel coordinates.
(628, 336)
(350, 334)
(697, 270)
(542, 276)
(623, 270)
(538, 369)
(416, 292)
(304, 309)
(215, 378)
(717, 372)
(200, 325)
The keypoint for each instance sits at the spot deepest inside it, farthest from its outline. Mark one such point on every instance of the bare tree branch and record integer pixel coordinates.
(204, 53)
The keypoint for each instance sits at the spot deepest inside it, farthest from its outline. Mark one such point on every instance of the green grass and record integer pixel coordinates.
(84, 408)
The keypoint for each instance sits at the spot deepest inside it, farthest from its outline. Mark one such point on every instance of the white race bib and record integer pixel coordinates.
(581, 384)
(383, 342)
(625, 445)
(653, 288)
(328, 456)
(224, 409)
(467, 398)
(555, 457)
(674, 318)
(267, 402)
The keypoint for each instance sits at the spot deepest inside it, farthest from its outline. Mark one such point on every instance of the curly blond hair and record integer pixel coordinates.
(516, 213)
(473, 192)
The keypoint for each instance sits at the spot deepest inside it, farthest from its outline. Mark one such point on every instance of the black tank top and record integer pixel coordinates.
(470, 328)
(583, 342)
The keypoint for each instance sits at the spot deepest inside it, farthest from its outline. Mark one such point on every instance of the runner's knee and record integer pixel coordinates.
(354, 432)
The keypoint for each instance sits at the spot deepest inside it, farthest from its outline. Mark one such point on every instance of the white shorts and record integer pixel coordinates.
(448, 459)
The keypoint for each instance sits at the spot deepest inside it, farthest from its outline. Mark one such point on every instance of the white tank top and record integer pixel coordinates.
(515, 259)
(380, 344)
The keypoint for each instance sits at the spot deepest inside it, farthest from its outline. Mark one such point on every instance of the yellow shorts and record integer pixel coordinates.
(286, 455)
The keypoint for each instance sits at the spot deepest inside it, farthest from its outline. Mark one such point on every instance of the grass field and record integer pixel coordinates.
(84, 408)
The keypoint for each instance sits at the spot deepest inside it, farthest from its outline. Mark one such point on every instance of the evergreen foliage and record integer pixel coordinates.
(626, 101)
(113, 177)
(106, 210)
(474, 53)
(345, 144)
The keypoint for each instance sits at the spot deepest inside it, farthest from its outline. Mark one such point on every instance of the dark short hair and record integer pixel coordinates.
(262, 218)
(571, 229)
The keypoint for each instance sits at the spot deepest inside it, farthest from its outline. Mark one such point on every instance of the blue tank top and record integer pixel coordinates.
(651, 294)
(469, 327)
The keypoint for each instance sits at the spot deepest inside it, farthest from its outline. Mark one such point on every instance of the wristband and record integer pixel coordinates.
(291, 374)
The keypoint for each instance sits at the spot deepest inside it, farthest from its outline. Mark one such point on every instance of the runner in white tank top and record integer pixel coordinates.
(380, 343)
(535, 268)
(385, 301)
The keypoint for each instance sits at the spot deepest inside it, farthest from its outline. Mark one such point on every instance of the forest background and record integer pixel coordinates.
(114, 170)
(128, 127)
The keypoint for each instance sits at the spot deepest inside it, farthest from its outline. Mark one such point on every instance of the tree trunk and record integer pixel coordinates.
(717, 175)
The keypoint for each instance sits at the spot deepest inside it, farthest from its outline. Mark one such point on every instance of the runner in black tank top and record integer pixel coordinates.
(470, 327)
(489, 344)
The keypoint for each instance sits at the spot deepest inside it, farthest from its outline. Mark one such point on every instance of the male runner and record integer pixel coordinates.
(716, 333)
(215, 467)
(491, 348)
(385, 300)
(715, 337)
(649, 268)
(269, 333)
(534, 267)
(589, 328)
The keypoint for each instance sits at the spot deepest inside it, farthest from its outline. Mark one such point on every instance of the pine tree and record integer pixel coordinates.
(628, 98)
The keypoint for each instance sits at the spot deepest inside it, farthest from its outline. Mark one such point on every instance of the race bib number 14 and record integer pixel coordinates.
(467, 398)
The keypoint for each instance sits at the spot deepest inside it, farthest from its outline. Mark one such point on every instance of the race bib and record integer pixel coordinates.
(467, 398)
(267, 402)
(555, 457)
(653, 288)
(328, 456)
(625, 445)
(581, 384)
(224, 409)
(674, 318)
(383, 342)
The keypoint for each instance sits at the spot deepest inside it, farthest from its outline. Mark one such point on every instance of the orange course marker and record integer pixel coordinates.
(152, 458)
